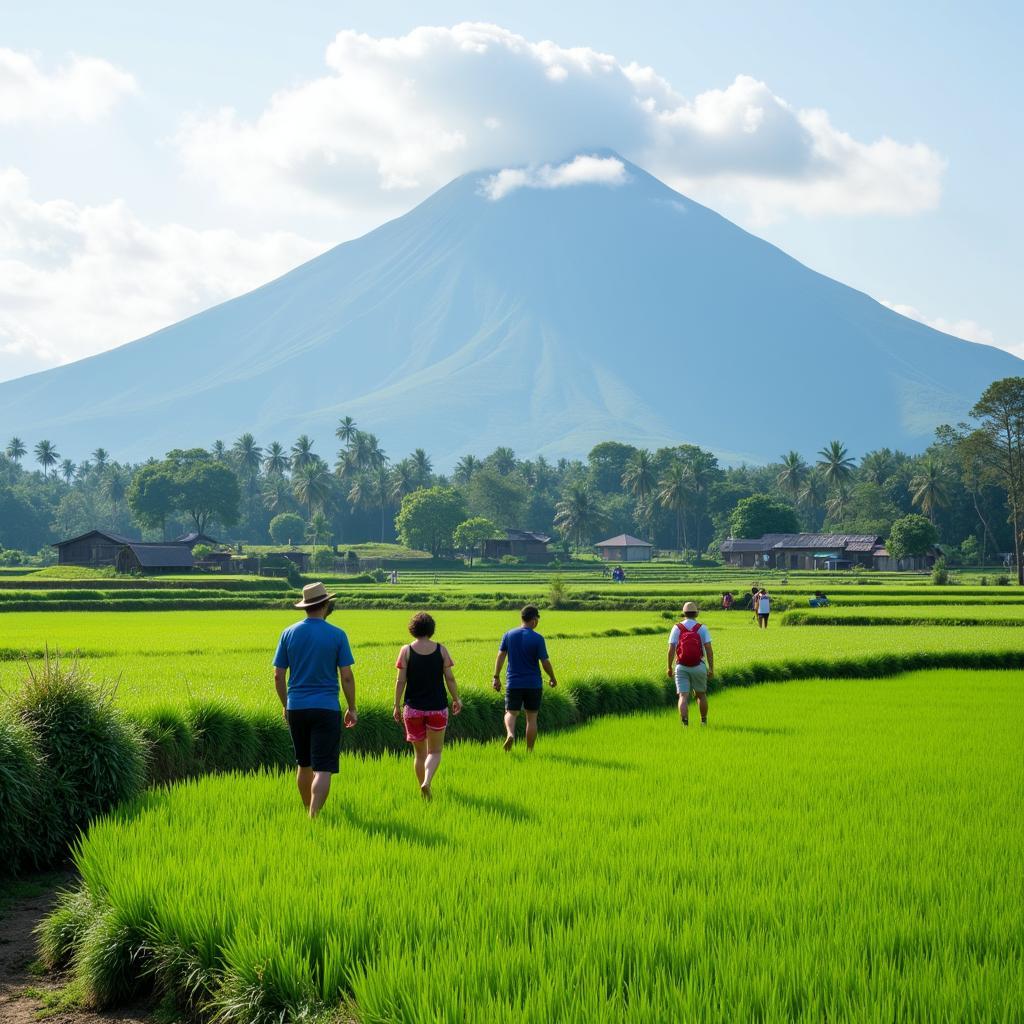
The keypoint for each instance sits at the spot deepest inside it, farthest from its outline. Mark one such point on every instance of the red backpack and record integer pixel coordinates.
(690, 648)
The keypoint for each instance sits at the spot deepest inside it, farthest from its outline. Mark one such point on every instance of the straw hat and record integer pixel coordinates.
(314, 594)
(690, 607)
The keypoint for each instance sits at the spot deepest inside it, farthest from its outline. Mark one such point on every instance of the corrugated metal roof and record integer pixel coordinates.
(162, 556)
(541, 538)
(624, 540)
(821, 541)
(740, 545)
(115, 537)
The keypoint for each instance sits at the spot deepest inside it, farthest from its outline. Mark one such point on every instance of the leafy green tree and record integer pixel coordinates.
(760, 514)
(46, 455)
(287, 528)
(911, 535)
(607, 463)
(1001, 412)
(429, 518)
(207, 491)
(151, 496)
(502, 499)
(469, 535)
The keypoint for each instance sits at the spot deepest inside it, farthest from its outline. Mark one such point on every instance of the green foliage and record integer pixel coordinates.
(497, 497)
(558, 592)
(201, 552)
(911, 535)
(287, 528)
(469, 535)
(20, 785)
(940, 573)
(323, 560)
(760, 514)
(429, 517)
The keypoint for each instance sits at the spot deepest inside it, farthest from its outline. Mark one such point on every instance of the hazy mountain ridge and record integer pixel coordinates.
(547, 320)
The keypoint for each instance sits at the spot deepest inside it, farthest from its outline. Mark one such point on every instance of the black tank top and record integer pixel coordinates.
(424, 681)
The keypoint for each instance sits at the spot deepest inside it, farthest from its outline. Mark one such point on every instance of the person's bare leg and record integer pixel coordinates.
(318, 792)
(684, 708)
(510, 729)
(419, 761)
(304, 779)
(531, 729)
(435, 744)
(702, 703)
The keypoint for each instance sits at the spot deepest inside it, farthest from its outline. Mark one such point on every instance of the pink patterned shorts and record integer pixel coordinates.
(417, 723)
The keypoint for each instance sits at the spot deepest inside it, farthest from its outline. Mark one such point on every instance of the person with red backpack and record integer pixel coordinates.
(689, 644)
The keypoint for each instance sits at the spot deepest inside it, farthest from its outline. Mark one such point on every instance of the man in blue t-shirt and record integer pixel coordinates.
(311, 654)
(526, 653)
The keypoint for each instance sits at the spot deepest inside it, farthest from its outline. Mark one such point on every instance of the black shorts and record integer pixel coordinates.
(763, 615)
(519, 697)
(316, 737)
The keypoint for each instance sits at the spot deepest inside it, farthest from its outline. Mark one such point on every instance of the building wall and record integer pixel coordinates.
(638, 554)
(90, 551)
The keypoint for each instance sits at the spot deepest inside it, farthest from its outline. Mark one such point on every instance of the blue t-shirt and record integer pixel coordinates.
(313, 650)
(526, 650)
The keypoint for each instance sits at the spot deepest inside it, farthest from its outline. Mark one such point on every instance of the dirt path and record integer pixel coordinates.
(19, 915)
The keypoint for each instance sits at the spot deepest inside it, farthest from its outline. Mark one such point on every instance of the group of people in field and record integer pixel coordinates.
(313, 670)
(760, 603)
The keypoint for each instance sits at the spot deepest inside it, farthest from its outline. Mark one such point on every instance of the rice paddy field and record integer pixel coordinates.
(822, 851)
(841, 845)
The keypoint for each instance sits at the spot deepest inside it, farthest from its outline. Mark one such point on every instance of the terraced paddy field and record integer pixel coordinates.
(824, 850)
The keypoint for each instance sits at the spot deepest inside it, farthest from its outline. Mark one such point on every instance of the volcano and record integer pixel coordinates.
(547, 320)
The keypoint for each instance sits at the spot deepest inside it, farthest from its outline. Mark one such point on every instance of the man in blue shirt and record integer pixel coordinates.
(310, 656)
(526, 653)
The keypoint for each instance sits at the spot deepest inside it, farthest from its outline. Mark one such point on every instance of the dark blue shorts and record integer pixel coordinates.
(517, 698)
(316, 737)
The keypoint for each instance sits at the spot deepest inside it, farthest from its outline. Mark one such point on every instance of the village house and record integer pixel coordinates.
(531, 547)
(818, 551)
(98, 549)
(625, 548)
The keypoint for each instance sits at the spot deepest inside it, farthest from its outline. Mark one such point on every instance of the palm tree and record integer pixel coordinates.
(837, 504)
(219, 451)
(312, 485)
(276, 493)
(346, 430)
(16, 449)
(83, 471)
(275, 461)
(465, 468)
(876, 467)
(579, 513)
(813, 496)
(67, 470)
(248, 455)
(100, 458)
(376, 456)
(674, 493)
(422, 467)
(639, 475)
(302, 453)
(403, 480)
(836, 465)
(115, 487)
(46, 455)
(929, 488)
(792, 475)
(503, 460)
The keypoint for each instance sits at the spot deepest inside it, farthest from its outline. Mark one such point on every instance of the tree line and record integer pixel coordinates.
(968, 483)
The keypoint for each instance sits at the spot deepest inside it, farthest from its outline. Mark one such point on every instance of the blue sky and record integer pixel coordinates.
(128, 201)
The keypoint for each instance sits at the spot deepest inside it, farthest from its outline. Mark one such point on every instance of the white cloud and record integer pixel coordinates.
(84, 89)
(395, 118)
(583, 170)
(969, 330)
(75, 280)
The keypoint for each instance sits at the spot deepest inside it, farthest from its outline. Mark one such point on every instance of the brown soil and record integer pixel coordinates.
(18, 920)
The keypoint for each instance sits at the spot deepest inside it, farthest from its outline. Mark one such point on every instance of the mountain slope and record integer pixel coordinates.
(547, 320)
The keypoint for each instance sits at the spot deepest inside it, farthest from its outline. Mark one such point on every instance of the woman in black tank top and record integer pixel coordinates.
(421, 703)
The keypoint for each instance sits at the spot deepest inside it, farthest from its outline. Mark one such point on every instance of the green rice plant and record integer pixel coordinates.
(61, 933)
(22, 779)
(764, 868)
(224, 739)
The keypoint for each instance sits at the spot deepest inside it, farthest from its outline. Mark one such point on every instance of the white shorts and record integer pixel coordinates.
(693, 677)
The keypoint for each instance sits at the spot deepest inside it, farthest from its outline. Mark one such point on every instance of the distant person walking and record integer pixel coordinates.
(755, 590)
(526, 653)
(421, 704)
(691, 662)
(764, 609)
(727, 601)
(311, 655)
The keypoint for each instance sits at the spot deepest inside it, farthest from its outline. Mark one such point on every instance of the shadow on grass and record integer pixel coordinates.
(760, 730)
(491, 805)
(576, 761)
(392, 830)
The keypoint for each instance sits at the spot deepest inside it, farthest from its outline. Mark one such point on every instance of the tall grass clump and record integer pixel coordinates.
(89, 756)
(21, 781)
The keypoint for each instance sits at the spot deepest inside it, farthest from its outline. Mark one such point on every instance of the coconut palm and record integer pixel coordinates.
(876, 467)
(403, 480)
(302, 453)
(16, 450)
(503, 460)
(312, 485)
(836, 465)
(46, 455)
(100, 458)
(792, 475)
(346, 430)
(675, 493)
(276, 493)
(579, 513)
(248, 455)
(67, 470)
(813, 496)
(115, 487)
(83, 471)
(275, 460)
(465, 468)
(639, 476)
(219, 451)
(838, 503)
(422, 467)
(929, 488)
